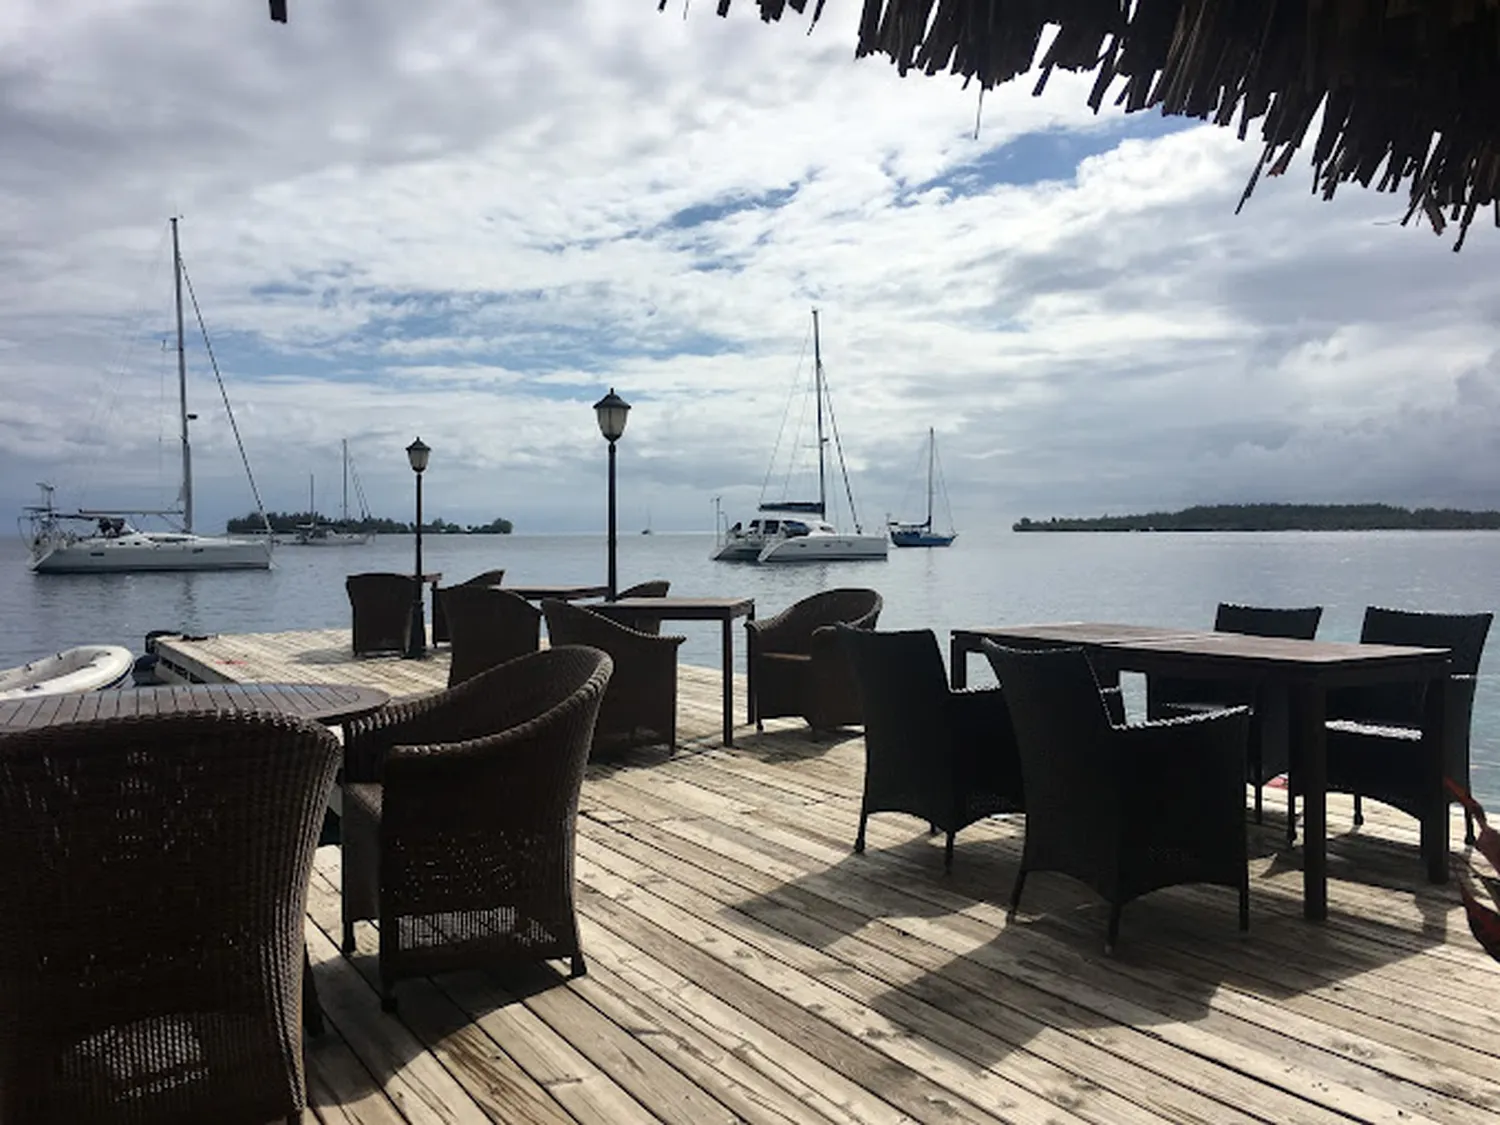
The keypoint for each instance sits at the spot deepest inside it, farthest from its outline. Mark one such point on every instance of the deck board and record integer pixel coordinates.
(746, 967)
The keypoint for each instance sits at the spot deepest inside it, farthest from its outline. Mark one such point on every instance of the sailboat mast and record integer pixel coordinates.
(187, 454)
(818, 389)
(931, 448)
(344, 507)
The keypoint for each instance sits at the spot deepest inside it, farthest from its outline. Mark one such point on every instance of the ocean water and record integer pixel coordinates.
(987, 577)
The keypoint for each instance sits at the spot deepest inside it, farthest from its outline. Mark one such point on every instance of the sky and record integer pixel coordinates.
(467, 220)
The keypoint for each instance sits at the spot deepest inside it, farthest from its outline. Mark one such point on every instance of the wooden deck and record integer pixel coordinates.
(745, 966)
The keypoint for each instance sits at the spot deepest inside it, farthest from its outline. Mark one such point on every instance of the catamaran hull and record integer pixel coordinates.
(144, 553)
(824, 548)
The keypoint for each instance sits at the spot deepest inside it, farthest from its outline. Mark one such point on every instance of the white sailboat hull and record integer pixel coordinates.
(86, 668)
(823, 548)
(151, 551)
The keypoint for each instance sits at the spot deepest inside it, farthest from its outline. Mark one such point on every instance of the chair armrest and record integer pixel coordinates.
(1170, 752)
(368, 739)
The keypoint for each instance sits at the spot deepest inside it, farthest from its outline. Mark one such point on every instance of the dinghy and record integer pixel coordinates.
(85, 668)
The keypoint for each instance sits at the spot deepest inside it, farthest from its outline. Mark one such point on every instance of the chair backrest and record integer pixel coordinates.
(485, 578)
(1462, 633)
(655, 588)
(381, 604)
(903, 692)
(488, 626)
(793, 628)
(153, 876)
(1053, 697)
(569, 624)
(1299, 624)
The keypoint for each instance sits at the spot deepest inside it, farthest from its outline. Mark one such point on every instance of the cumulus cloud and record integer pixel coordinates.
(467, 220)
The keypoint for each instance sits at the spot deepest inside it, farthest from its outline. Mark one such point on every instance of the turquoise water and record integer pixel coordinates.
(986, 578)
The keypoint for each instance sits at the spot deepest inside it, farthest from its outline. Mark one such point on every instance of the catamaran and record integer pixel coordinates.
(104, 541)
(798, 530)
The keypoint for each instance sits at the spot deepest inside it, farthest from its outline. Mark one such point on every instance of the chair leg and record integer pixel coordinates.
(859, 839)
(1015, 895)
(1359, 810)
(387, 996)
(294, 1118)
(932, 829)
(1113, 933)
(1468, 828)
(1291, 818)
(1245, 901)
(1259, 818)
(577, 967)
(948, 852)
(348, 943)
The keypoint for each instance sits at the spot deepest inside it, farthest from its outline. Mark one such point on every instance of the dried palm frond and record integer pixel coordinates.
(1409, 90)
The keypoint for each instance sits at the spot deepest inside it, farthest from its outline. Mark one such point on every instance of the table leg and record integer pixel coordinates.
(749, 670)
(1311, 753)
(728, 647)
(958, 661)
(1434, 767)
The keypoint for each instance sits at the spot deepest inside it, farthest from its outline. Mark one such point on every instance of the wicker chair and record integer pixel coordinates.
(152, 897)
(797, 665)
(1168, 697)
(640, 704)
(382, 611)
(656, 588)
(440, 633)
(1374, 732)
(458, 826)
(1125, 809)
(489, 626)
(946, 756)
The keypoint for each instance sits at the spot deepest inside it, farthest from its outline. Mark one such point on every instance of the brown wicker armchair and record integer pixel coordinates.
(946, 756)
(382, 611)
(489, 626)
(797, 665)
(153, 889)
(1375, 732)
(640, 705)
(440, 633)
(656, 588)
(1171, 697)
(1124, 809)
(458, 826)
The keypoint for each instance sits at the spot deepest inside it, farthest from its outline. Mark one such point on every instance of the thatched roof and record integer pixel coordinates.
(1410, 89)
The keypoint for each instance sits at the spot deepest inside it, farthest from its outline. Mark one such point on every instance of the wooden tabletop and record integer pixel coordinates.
(679, 609)
(562, 593)
(324, 703)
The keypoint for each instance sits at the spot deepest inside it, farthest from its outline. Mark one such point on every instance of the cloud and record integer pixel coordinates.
(467, 220)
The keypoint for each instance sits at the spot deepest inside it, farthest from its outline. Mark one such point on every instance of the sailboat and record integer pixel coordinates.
(113, 545)
(315, 534)
(922, 534)
(798, 530)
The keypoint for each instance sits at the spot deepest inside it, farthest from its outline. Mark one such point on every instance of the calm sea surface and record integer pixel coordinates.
(985, 578)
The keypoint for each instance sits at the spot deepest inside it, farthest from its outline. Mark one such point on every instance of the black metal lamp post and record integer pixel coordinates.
(416, 645)
(611, 411)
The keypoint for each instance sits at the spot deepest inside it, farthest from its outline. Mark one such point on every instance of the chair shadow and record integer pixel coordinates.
(951, 967)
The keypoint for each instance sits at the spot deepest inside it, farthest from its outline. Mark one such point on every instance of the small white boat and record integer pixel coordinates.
(85, 668)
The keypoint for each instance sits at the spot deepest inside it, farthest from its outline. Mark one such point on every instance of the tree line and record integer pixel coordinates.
(1278, 517)
(287, 523)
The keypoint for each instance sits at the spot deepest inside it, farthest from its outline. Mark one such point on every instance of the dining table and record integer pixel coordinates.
(1305, 670)
(322, 703)
(722, 610)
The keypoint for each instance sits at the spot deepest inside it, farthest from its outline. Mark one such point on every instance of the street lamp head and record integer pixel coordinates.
(611, 411)
(416, 453)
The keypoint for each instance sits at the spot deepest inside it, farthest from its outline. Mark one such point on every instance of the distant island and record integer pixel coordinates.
(1279, 517)
(287, 523)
